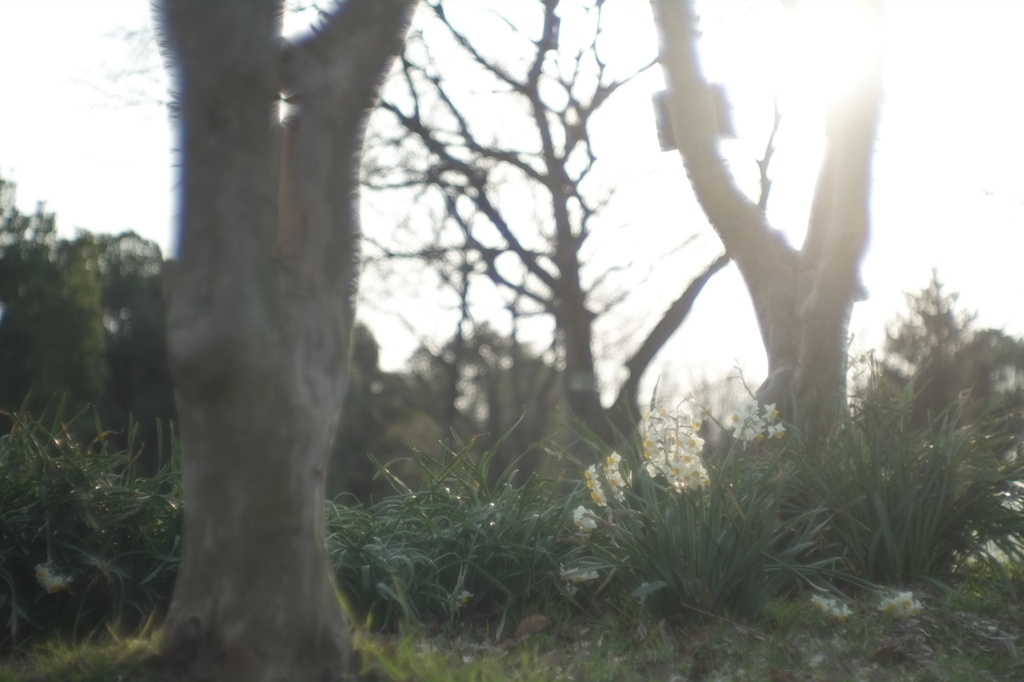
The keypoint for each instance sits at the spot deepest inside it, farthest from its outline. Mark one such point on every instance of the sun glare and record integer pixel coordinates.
(836, 42)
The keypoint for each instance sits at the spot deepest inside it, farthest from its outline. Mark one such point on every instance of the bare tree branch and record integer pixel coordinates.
(765, 161)
(490, 257)
(626, 403)
(466, 169)
(493, 68)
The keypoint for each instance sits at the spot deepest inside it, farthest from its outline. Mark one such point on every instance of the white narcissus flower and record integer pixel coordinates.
(617, 483)
(751, 423)
(748, 412)
(584, 518)
(841, 612)
(596, 492)
(50, 581)
(693, 420)
(614, 477)
(902, 606)
(693, 444)
(696, 478)
(831, 608)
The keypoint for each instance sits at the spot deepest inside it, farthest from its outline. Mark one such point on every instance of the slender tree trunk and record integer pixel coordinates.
(581, 388)
(260, 317)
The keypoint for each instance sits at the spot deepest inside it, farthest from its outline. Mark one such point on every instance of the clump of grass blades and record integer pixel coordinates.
(718, 551)
(908, 504)
(98, 659)
(410, 557)
(105, 538)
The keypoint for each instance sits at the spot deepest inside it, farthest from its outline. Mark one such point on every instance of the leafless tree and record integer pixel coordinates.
(802, 297)
(546, 89)
(260, 318)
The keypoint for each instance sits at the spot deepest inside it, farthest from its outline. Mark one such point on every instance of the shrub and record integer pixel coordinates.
(457, 546)
(703, 542)
(84, 541)
(907, 504)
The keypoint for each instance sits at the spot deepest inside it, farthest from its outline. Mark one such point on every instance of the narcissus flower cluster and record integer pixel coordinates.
(594, 486)
(831, 608)
(612, 477)
(672, 449)
(902, 606)
(616, 483)
(753, 422)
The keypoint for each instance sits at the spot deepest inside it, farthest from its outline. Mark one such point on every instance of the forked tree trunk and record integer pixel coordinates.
(259, 324)
(802, 298)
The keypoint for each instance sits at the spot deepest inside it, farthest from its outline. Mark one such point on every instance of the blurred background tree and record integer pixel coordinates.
(381, 422)
(493, 387)
(52, 340)
(936, 349)
(82, 320)
(468, 395)
(138, 386)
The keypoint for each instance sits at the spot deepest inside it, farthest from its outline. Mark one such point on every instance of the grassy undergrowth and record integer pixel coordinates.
(969, 634)
(661, 561)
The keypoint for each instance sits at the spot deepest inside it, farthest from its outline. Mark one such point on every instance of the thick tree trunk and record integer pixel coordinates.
(259, 324)
(802, 298)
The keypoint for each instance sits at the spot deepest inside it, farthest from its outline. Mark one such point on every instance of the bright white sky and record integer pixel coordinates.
(949, 181)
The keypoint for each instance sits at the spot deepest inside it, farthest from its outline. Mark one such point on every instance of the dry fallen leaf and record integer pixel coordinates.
(531, 625)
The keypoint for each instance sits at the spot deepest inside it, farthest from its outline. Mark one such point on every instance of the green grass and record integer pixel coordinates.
(907, 504)
(722, 550)
(407, 558)
(708, 582)
(84, 514)
(965, 635)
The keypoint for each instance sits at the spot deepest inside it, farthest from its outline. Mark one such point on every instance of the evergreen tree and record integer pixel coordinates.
(51, 332)
(139, 385)
(936, 346)
(486, 386)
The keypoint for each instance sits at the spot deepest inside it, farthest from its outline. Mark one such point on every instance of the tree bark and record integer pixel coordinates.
(260, 313)
(802, 298)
